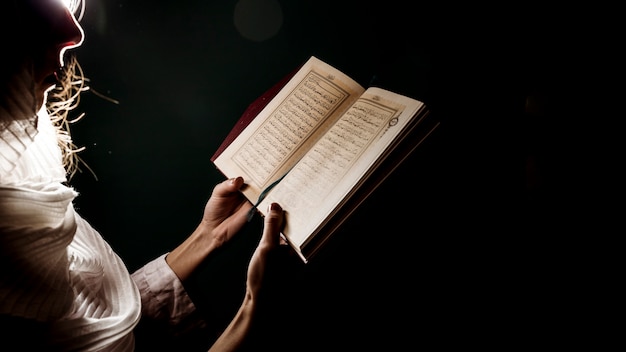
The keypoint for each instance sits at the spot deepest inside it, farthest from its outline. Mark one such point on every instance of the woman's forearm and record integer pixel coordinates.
(239, 328)
(185, 258)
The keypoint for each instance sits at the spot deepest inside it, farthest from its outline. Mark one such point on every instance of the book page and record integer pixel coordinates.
(282, 132)
(327, 174)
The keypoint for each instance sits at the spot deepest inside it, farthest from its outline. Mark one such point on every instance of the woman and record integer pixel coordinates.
(61, 285)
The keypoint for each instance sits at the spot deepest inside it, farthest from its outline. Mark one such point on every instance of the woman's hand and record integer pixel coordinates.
(226, 211)
(260, 269)
(262, 256)
(225, 214)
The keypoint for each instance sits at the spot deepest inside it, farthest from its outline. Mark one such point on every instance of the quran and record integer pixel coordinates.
(319, 143)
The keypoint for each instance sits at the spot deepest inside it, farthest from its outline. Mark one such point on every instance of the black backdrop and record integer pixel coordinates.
(444, 252)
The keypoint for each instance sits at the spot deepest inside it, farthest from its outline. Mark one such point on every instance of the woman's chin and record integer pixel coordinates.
(42, 94)
(40, 98)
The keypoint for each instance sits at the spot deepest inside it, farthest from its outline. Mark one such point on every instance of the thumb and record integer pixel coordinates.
(272, 225)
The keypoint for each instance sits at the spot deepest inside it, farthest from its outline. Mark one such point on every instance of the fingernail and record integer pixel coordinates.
(273, 206)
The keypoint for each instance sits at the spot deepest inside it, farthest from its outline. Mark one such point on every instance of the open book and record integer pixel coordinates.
(319, 147)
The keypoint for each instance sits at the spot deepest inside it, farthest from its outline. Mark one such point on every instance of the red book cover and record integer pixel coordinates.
(251, 112)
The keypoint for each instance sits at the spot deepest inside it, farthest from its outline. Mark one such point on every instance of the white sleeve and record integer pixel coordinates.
(164, 297)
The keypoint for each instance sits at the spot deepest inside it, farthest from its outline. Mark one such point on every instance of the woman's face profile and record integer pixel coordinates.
(52, 29)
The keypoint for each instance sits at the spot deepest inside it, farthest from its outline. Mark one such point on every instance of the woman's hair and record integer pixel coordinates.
(62, 100)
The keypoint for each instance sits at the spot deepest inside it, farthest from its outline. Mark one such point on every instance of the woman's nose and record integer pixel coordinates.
(70, 33)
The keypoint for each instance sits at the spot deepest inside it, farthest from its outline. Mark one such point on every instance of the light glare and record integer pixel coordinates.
(77, 7)
(67, 3)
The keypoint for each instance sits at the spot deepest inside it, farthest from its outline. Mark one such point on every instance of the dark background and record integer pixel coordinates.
(461, 246)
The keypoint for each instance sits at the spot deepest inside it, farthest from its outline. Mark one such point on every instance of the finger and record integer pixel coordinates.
(228, 186)
(235, 182)
(240, 215)
(273, 225)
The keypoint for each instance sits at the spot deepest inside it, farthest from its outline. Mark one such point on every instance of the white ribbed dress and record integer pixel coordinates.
(54, 267)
